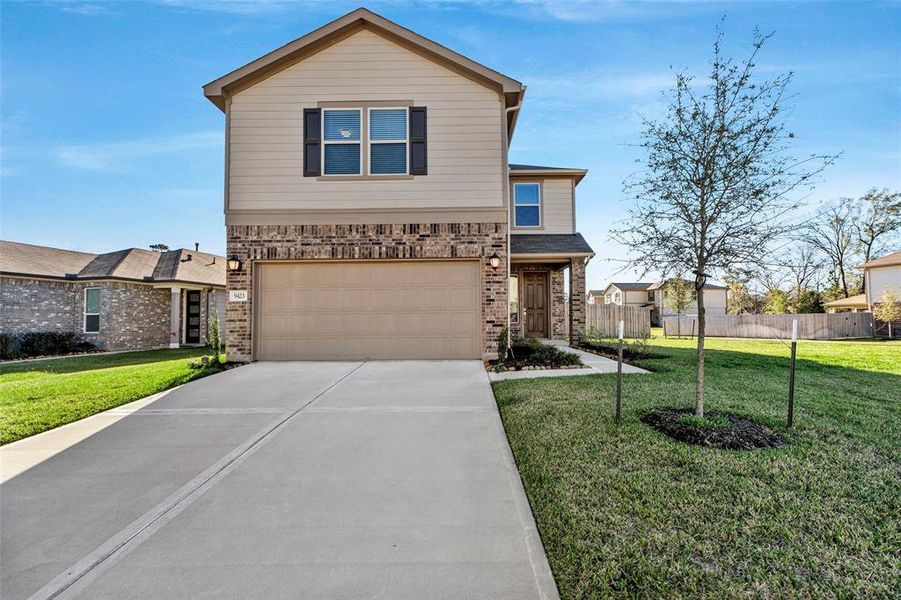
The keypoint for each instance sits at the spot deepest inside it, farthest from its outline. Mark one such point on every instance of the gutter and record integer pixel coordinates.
(507, 111)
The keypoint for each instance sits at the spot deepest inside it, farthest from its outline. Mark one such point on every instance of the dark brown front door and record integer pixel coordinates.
(535, 304)
(192, 317)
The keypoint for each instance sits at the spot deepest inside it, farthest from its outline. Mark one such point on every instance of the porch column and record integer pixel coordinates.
(174, 317)
(576, 300)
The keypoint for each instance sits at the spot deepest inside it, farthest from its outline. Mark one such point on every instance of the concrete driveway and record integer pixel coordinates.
(278, 480)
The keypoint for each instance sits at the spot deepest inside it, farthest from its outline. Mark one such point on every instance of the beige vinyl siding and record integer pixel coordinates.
(881, 279)
(637, 297)
(556, 205)
(465, 138)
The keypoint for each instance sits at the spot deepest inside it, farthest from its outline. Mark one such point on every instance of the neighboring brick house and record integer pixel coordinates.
(127, 299)
(371, 211)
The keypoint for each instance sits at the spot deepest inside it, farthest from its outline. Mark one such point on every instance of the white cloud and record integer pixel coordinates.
(117, 156)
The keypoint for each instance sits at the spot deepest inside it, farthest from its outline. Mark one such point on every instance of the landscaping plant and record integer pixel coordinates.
(718, 179)
(888, 309)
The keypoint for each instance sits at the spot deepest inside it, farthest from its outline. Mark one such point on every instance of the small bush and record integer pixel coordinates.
(531, 352)
(214, 335)
(43, 343)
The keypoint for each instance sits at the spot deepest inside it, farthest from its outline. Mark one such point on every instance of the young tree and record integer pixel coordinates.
(739, 299)
(776, 302)
(879, 222)
(888, 309)
(717, 186)
(678, 295)
(832, 231)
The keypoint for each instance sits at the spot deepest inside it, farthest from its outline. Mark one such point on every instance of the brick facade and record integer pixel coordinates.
(577, 300)
(366, 242)
(132, 315)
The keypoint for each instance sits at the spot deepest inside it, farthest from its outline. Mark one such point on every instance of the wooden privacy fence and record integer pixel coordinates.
(810, 326)
(604, 320)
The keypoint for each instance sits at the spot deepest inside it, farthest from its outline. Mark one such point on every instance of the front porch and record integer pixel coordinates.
(547, 286)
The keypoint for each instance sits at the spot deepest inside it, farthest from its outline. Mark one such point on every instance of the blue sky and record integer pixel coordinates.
(108, 142)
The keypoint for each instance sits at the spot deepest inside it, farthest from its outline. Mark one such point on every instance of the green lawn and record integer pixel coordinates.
(37, 396)
(631, 512)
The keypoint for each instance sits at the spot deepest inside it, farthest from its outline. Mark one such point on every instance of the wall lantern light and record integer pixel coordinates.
(233, 263)
(494, 261)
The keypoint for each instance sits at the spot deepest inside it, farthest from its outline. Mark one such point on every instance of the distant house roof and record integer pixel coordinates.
(884, 261)
(707, 286)
(517, 169)
(549, 243)
(858, 301)
(632, 287)
(131, 264)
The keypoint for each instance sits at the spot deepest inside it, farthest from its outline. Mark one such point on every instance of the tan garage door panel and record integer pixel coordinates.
(368, 310)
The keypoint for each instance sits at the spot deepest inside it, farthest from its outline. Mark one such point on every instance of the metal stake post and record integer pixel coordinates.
(791, 380)
(619, 373)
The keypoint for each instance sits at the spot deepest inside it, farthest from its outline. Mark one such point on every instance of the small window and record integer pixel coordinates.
(526, 205)
(650, 296)
(513, 295)
(92, 310)
(388, 141)
(341, 142)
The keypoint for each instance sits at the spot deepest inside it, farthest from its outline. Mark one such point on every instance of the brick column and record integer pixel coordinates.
(576, 300)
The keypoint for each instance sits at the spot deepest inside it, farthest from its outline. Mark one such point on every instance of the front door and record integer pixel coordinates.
(535, 305)
(192, 317)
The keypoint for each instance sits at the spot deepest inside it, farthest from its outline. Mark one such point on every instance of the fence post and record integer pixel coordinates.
(791, 379)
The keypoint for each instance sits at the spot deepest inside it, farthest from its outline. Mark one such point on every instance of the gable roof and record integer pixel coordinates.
(884, 261)
(707, 286)
(131, 264)
(331, 33)
(640, 286)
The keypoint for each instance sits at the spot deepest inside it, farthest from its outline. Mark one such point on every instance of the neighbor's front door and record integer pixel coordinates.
(192, 317)
(535, 305)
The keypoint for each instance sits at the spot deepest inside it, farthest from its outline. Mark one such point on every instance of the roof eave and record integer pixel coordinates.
(577, 174)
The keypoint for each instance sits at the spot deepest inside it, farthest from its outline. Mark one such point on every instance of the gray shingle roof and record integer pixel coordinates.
(130, 264)
(549, 243)
(638, 286)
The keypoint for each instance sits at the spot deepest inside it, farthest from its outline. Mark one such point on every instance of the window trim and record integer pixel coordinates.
(539, 205)
(324, 142)
(370, 142)
(86, 314)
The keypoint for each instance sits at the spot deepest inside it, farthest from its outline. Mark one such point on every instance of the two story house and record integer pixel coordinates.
(371, 212)
(653, 296)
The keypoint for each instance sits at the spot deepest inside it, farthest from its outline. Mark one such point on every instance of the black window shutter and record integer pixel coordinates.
(311, 134)
(418, 154)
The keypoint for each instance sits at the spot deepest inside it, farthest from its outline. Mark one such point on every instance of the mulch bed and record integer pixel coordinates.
(610, 352)
(742, 435)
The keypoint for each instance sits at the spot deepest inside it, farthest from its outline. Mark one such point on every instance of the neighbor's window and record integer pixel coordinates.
(388, 141)
(341, 141)
(513, 295)
(526, 205)
(92, 310)
(650, 296)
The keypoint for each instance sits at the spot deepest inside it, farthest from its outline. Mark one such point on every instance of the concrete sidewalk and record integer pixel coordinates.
(285, 480)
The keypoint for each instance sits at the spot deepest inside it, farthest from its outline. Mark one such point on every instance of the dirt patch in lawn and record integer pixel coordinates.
(716, 430)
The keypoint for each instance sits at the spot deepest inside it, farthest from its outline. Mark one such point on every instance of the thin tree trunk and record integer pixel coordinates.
(699, 373)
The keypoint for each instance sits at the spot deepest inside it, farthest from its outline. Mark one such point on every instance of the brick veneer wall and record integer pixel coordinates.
(366, 242)
(37, 305)
(131, 315)
(557, 310)
(577, 300)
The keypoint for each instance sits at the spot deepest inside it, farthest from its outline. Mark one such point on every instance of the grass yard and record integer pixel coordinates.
(37, 396)
(631, 512)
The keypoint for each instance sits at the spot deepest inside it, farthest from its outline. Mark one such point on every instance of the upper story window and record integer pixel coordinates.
(526, 205)
(92, 310)
(388, 141)
(341, 141)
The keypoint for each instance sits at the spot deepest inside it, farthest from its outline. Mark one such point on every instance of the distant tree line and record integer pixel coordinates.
(821, 264)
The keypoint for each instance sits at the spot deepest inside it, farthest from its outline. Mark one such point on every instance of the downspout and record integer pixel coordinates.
(509, 211)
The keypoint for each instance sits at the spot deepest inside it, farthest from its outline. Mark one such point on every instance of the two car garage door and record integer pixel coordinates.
(368, 310)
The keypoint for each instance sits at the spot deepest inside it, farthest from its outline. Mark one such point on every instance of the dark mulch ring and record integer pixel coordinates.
(739, 434)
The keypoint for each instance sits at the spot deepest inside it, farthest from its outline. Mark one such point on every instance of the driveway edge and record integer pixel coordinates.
(541, 568)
